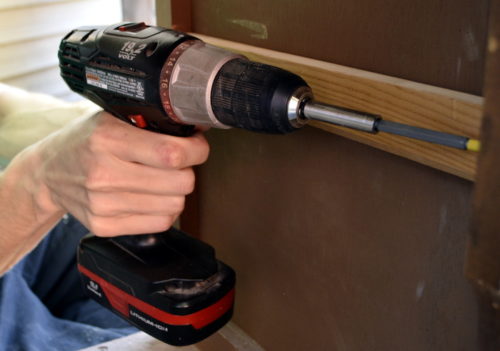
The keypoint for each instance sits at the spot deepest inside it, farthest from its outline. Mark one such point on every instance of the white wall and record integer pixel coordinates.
(30, 32)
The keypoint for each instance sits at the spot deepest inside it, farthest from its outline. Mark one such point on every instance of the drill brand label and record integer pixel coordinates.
(116, 83)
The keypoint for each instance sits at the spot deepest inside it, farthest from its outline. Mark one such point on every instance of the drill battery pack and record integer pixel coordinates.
(167, 284)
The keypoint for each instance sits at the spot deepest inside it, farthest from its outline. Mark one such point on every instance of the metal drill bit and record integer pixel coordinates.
(371, 123)
(431, 136)
(340, 116)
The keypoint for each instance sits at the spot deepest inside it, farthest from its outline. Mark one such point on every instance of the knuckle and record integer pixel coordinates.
(99, 227)
(166, 222)
(98, 205)
(93, 204)
(105, 120)
(187, 183)
(171, 154)
(99, 138)
(204, 149)
(98, 178)
(161, 224)
(177, 204)
(107, 130)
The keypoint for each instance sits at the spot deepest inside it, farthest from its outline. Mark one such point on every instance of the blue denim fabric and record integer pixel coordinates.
(43, 305)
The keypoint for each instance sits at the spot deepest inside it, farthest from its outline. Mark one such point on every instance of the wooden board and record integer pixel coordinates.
(393, 98)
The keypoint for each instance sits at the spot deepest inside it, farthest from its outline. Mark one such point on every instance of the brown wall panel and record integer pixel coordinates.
(338, 246)
(438, 42)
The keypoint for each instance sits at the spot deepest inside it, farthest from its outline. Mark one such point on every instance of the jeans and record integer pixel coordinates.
(43, 305)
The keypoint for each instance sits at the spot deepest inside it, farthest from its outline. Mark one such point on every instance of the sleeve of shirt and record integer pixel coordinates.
(43, 305)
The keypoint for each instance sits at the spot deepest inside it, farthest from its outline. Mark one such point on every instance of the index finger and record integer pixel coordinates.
(159, 150)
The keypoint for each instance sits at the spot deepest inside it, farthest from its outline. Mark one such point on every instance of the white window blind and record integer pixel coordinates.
(30, 32)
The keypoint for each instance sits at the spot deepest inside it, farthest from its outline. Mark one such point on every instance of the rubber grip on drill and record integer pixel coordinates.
(254, 96)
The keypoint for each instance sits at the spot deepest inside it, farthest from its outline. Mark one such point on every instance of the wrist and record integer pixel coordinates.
(29, 206)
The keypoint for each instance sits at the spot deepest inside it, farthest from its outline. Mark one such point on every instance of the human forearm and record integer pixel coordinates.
(26, 212)
(114, 178)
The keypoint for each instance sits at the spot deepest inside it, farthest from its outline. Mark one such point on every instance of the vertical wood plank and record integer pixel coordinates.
(483, 264)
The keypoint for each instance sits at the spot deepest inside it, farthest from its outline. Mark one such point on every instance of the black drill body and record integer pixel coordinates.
(120, 70)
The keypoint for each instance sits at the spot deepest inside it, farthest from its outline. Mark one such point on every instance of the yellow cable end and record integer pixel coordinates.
(473, 145)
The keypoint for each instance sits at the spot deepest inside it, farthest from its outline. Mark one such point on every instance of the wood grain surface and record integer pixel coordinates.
(393, 98)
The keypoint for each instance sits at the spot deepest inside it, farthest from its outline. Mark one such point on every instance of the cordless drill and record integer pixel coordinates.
(170, 284)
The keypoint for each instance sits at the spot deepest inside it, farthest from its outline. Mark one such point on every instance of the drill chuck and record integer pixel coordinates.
(259, 97)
